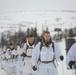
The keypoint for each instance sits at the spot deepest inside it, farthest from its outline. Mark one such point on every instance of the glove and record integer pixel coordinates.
(71, 63)
(34, 68)
(23, 54)
(61, 58)
(17, 55)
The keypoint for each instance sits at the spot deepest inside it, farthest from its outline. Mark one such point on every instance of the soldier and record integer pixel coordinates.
(71, 58)
(44, 56)
(28, 49)
(10, 56)
(2, 60)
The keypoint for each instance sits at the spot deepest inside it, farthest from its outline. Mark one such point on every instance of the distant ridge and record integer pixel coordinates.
(73, 11)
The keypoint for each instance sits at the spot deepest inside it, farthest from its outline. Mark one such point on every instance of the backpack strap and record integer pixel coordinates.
(41, 45)
(27, 47)
(53, 47)
(24, 53)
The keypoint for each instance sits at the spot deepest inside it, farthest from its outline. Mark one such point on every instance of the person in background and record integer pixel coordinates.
(2, 60)
(28, 49)
(71, 58)
(10, 56)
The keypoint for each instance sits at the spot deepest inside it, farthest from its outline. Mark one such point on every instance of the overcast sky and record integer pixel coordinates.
(10, 6)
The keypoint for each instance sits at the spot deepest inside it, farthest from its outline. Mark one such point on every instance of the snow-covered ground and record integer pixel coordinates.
(62, 70)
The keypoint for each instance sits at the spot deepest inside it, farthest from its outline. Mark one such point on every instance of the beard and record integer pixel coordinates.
(47, 43)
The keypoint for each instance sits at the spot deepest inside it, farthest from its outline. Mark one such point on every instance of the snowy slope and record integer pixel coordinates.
(52, 19)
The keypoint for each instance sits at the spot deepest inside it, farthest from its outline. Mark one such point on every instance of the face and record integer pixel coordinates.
(11, 47)
(46, 37)
(31, 40)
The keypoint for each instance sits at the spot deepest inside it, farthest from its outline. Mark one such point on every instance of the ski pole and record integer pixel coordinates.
(63, 68)
(72, 69)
